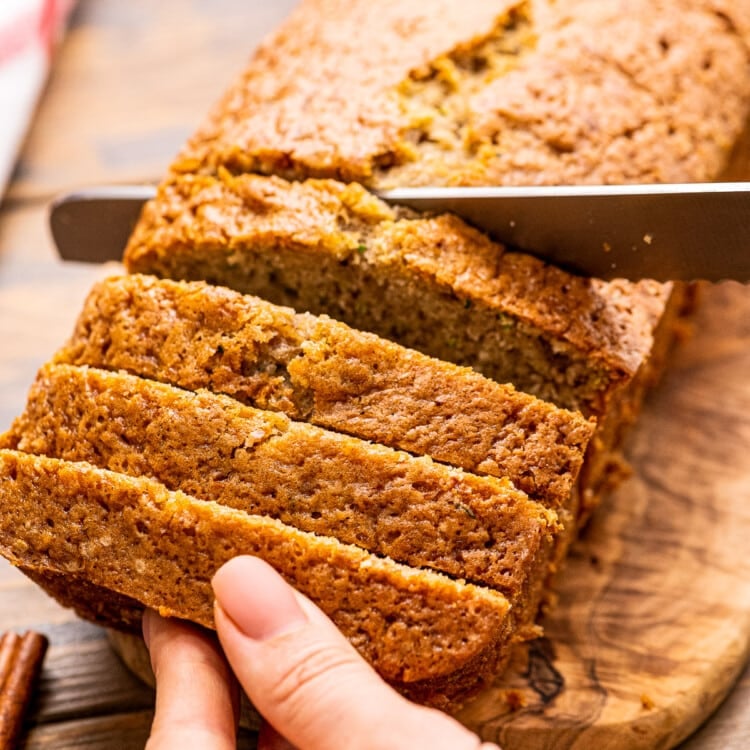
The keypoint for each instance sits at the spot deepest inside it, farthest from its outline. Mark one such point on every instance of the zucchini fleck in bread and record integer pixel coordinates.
(318, 370)
(427, 634)
(479, 92)
(213, 448)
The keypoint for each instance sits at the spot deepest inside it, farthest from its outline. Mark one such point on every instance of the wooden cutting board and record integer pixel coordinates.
(653, 623)
(652, 627)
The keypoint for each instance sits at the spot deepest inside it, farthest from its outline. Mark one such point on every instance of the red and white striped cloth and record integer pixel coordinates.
(29, 31)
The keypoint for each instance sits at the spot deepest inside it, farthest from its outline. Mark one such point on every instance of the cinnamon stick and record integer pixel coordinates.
(20, 663)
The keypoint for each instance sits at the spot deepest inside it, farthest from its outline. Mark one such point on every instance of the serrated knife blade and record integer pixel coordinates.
(665, 231)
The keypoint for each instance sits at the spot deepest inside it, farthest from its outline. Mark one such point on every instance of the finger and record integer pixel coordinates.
(306, 678)
(197, 698)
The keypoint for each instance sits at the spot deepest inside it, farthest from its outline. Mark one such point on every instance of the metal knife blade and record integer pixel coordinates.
(92, 225)
(664, 231)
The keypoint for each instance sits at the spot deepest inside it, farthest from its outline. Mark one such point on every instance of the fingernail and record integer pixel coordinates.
(257, 599)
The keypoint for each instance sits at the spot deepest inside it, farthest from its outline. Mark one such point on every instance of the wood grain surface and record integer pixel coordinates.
(653, 624)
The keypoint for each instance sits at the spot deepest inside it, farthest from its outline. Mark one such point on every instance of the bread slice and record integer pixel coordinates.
(483, 93)
(422, 631)
(411, 509)
(432, 284)
(317, 370)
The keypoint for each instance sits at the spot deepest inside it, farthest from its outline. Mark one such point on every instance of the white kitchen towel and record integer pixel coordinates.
(29, 32)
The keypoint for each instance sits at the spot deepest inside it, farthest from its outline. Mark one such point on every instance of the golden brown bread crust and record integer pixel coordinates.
(321, 78)
(415, 626)
(471, 93)
(209, 446)
(605, 466)
(318, 370)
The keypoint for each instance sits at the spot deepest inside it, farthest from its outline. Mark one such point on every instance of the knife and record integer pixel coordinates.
(664, 231)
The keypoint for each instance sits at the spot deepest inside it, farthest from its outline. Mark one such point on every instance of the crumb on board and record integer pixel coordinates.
(647, 702)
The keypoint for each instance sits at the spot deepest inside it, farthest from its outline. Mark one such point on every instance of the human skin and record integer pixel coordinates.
(312, 688)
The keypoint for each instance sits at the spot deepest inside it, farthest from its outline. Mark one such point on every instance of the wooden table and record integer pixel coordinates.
(131, 81)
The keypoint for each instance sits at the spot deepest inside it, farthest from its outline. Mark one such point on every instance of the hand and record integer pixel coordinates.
(299, 671)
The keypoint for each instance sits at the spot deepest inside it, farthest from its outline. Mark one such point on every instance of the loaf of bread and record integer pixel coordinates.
(487, 93)
(271, 197)
(92, 529)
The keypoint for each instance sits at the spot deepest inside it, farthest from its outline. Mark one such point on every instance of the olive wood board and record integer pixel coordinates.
(652, 626)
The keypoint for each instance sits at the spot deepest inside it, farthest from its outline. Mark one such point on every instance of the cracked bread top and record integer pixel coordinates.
(479, 92)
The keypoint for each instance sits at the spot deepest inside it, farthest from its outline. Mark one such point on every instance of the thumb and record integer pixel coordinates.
(307, 680)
